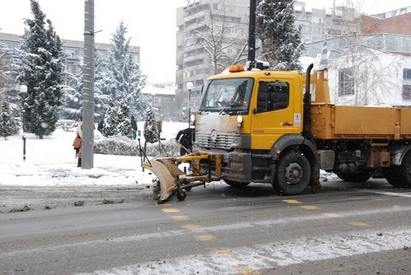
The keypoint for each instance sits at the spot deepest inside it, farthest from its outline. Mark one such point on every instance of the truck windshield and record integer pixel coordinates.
(228, 95)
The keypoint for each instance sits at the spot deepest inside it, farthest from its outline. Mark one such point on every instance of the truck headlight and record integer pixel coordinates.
(193, 120)
(239, 121)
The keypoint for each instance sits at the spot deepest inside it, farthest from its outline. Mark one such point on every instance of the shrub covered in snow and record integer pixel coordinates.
(124, 146)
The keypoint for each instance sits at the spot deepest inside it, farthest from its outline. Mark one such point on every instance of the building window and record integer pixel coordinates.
(406, 87)
(199, 82)
(345, 82)
(407, 74)
(406, 92)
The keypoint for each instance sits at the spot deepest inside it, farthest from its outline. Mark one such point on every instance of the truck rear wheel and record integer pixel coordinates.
(405, 172)
(392, 176)
(362, 176)
(293, 174)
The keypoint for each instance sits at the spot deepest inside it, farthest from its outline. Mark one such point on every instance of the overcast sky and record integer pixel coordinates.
(151, 24)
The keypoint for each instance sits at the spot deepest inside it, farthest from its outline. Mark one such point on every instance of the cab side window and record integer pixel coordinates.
(272, 96)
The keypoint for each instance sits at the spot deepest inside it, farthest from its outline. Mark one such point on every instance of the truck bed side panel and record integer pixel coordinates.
(355, 122)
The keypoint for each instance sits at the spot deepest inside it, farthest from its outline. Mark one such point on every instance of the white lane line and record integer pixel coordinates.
(405, 195)
(263, 256)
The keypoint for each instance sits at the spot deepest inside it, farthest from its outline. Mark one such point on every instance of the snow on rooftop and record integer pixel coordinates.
(153, 90)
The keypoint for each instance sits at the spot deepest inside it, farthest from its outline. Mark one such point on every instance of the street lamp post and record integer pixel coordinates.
(189, 86)
(23, 91)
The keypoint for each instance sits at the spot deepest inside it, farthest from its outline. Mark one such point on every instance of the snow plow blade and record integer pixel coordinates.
(171, 178)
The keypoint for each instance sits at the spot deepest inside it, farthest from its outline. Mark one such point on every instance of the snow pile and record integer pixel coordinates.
(51, 161)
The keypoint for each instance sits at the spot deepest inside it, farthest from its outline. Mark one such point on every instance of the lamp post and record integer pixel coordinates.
(189, 86)
(23, 91)
(184, 112)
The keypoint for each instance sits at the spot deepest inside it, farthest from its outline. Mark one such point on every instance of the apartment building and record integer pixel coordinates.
(73, 49)
(193, 60)
(201, 24)
(382, 52)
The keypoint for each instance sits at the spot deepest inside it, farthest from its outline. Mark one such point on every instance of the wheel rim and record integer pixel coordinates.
(293, 173)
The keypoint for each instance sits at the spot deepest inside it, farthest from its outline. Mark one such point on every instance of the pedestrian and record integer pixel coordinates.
(79, 134)
(134, 127)
(100, 126)
(185, 138)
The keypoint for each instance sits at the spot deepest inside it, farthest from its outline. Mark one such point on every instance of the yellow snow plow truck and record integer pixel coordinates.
(280, 128)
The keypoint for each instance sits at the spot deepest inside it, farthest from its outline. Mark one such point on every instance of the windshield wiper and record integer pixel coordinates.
(226, 107)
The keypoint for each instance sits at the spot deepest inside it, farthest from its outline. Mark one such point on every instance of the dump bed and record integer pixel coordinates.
(360, 122)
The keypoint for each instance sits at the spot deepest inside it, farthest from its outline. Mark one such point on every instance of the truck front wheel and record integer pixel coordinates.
(293, 174)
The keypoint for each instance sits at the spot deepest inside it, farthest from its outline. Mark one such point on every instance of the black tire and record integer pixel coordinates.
(156, 189)
(181, 195)
(404, 172)
(392, 176)
(236, 183)
(356, 177)
(293, 174)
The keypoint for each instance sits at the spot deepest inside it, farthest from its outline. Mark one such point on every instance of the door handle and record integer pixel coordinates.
(286, 124)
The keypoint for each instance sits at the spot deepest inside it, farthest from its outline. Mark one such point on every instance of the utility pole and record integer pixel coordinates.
(88, 87)
(251, 34)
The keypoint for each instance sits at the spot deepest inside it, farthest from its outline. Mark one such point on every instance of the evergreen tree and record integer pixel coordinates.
(7, 124)
(124, 78)
(110, 120)
(8, 85)
(282, 43)
(42, 63)
(124, 127)
(150, 126)
(73, 92)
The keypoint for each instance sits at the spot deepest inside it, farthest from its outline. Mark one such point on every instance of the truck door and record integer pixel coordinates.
(274, 114)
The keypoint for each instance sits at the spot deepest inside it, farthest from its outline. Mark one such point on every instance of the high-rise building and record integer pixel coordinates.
(211, 35)
(200, 23)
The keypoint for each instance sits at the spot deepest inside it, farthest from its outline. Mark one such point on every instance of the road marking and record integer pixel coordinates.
(246, 270)
(180, 218)
(362, 224)
(405, 195)
(271, 255)
(292, 201)
(191, 226)
(170, 210)
(205, 237)
(333, 215)
(223, 250)
(310, 207)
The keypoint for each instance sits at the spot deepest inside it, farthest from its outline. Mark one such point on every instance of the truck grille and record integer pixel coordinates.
(223, 141)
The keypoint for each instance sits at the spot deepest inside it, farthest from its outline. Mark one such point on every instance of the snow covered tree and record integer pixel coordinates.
(73, 92)
(281, 39)
(7, 124)
(8, 84)
(124, 78)
(150, 126)
(42, 63)
(110, 120)
(124, 126)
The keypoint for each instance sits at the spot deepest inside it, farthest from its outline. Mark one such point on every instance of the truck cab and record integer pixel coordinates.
(249, 117)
